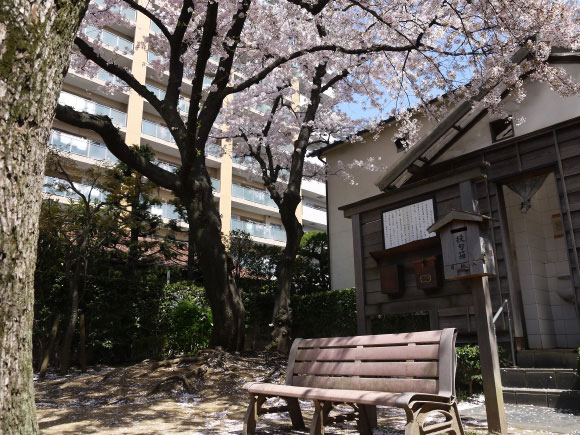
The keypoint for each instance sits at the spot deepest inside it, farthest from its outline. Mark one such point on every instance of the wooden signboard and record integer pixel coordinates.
(408, 224)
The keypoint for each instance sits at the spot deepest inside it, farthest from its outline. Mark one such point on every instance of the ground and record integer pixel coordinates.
(191, 395)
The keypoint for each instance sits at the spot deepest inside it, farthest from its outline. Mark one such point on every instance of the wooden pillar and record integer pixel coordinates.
(517, 305)
(489, 360)
(361, 320)
(488, 356)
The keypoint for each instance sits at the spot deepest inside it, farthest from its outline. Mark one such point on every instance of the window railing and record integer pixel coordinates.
(252, 195)
(127, 12)
(157, 130)
(80, 146)
(263, 231)
(112, 40)
(183, 104)
(166, 211)
(59, 187)
(83, 105)
(108, 77)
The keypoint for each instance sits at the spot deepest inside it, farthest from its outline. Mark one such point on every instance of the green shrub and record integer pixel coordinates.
(468, 368)
(185, 318)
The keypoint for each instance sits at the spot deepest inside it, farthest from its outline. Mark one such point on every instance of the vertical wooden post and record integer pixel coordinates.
(361, 320)
(513, 275)
(82, 344)
(488, 357)
(494, 406)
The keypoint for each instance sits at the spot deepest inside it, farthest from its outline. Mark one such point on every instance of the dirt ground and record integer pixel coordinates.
(195, 395)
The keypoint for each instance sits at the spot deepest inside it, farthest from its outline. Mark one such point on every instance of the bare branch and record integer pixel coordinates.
(116, 144)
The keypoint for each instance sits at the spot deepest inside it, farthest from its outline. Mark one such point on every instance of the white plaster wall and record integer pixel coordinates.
(541, 108)
(542, 262)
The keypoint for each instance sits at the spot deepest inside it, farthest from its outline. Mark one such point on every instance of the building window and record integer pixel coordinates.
(501, 129)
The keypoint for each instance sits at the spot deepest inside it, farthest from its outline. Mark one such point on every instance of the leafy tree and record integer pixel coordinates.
(35, 43)
(133, 197)
(80, 227)
(312, 270)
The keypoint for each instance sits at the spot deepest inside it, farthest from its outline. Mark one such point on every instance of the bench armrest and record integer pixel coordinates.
(407, 400)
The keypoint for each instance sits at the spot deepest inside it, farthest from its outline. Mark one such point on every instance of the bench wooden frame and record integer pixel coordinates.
(414, 371)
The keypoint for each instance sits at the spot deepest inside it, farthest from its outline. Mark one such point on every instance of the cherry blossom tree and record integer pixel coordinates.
(279, 71)
(445, 51)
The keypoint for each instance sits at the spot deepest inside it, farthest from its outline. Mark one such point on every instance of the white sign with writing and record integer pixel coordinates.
(408, 224)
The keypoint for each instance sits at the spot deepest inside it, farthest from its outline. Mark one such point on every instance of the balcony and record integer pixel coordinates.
(156, 130)
(252, 195)
(129, 13)
(314, 213)
(183, 105)
(262, 231)
(58, 187)
(114, 41)
(80, 146)
(166, 211)
(83, 105)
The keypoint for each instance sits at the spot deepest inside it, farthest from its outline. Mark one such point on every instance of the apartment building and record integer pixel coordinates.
(244, 204)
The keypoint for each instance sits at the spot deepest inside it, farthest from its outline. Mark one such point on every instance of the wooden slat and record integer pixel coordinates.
(392, 353)
(373, 340)
(391, 385)
(414, 369)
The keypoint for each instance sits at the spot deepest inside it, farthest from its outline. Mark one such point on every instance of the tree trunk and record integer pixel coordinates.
(35, 44)
(282, 317)
(217, 269)
(66, 349)
(190, 254)
(82, 344)
(50, 348)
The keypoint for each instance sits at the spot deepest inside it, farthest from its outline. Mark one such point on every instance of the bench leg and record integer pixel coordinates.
(416, 419)
(252, 413)
(364, 420)
(295, 413)
(371, 411)
(457, 425)
(251, 416)
(317, 425)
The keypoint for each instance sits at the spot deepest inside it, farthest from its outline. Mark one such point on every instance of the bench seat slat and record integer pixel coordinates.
(392, 353)
(394, 385)
(374, 340)
(417, 369)
(350, 396)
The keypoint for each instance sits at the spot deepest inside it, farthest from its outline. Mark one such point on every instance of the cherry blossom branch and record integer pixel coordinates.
(378, 48)
(116, 144)
(314, 8)
(88, 52)
(177, 48)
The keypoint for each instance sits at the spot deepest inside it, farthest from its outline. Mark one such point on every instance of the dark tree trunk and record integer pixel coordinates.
(66, 349)
(133, 250)
(35, 44)
(282, 317)
(216, 267)
(49, 350)
(190, 253)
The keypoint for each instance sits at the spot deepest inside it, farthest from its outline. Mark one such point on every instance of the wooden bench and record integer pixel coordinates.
(414, 371)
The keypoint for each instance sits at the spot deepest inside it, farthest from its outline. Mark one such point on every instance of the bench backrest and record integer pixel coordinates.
(415, 362)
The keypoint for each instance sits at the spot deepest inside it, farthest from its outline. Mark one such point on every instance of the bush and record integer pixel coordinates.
(468, 368)
(185, 318)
